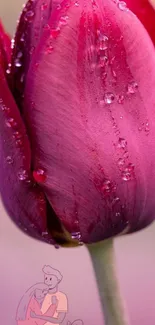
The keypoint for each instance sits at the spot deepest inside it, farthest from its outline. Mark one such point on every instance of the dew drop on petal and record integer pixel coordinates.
(10, 122)
(122, 143)
(49, 49)
(44, 6)
(22, 175)
(121, 162)
(9, 160)
(122, 5)
(128, 173)
(39, 175)
(120, 99)
(12, 43)
(115, 200)
(117, 214)
(56, 246)
(147, 128)
(29, 16)
(76, 235)
(132, 87)
(44, 233)
(18, 62)
(55, 32)
(109, 98)
(63, 20)
(107, 187)
(76, 4)
(19, 142)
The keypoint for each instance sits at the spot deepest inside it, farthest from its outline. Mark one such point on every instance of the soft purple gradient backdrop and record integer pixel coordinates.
(22, 259)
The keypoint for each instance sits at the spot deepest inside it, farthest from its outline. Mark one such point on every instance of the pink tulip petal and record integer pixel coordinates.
(90, 112)
(22, 197)
(146, 13)
(33, 21)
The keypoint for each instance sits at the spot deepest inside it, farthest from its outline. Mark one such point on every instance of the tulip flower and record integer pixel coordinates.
(77, 127)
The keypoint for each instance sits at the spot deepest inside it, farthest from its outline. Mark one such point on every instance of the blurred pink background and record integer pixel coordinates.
(22, 259)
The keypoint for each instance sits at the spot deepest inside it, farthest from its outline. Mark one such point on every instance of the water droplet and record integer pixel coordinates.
(39, 175)
(56, 246)
(122, 143)
(122, 6)
(8, 71)
(17, 135)
(23, 175)
(47, 27)
(12, 43)
(29, 16)
(55, 32)
(120, 99)
(108, 187)
(44, 6)
(76, 235)
(44, 233)
(18, 62)
(147, 128)
(22, 39)
(22, 78)
(58, 7)
(128, 173)
(9, 160)
(103, 41)
(49, 49)
(114, 74)
(76, 3)
(3, 107)
(32, 50)
(117, 214)
(10, 122)
(19, 142)
(115, 200)
(63, 20)
(109, 98)
(121, 162)
(132, 87)
(103, 60)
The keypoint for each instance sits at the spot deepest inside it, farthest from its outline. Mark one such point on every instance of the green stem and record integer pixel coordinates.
(103, 259)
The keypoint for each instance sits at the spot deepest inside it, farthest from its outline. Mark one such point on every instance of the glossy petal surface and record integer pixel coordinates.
(90, 113)
(22, 198)
(146, 13)
(33, 20)
(5, 49)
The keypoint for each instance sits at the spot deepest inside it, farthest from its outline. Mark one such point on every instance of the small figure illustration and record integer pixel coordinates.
(43, 303)
(30, 304)
(76, 322)
(52, 278)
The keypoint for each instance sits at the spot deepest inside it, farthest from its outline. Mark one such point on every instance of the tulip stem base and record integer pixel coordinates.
(103, 258)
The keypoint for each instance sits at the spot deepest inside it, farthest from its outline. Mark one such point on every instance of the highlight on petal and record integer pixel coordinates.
(90, 113)
(22, 197)
(5, 49)
(145, 11)
(32, 23)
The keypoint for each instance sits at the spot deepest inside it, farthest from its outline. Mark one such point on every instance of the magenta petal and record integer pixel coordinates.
(32, 22)
(22, 198)
(92, 125)
(146, 14)
(5, 49)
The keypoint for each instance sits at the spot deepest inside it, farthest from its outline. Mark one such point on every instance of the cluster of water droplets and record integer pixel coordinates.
(39, 174)
(126, 168)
